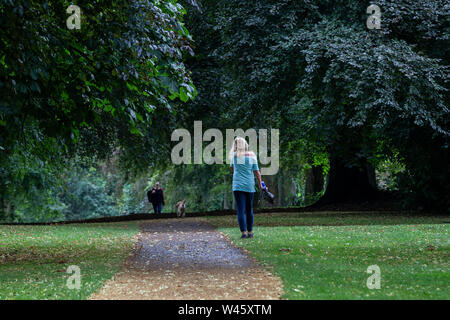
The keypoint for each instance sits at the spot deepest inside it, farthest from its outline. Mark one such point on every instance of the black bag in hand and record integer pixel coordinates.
(269, 197)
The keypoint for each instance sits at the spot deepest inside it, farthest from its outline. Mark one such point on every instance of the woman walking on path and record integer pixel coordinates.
(244, 165)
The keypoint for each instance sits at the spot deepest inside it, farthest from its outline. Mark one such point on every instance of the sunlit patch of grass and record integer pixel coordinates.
(318, 258)
(34, 259)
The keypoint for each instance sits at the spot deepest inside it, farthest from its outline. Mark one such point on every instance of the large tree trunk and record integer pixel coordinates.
(9, 211)
(2, 209)
(314, 180)
(314, 183)
(349, 184)
(371, 175)
(280, 185)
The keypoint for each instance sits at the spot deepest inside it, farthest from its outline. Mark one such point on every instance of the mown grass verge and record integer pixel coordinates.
(34, 259)
(326, 255)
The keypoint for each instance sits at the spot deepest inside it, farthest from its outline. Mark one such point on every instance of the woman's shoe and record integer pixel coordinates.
(244, 236)
(250, 235)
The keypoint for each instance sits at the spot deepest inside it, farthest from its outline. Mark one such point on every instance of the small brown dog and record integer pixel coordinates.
(181, 212)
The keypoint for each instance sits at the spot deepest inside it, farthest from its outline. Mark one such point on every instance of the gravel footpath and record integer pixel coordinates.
(188, 259)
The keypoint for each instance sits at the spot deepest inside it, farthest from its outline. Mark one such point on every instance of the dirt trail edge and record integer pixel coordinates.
(188, 259)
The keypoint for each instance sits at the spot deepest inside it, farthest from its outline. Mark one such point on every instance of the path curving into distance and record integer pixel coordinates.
(188, 259)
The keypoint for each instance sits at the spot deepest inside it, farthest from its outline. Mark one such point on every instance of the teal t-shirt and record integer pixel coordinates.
(243, 177)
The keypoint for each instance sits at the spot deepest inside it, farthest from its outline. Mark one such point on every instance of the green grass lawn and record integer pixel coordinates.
(34, 259)
(324, 255)
(320, 255)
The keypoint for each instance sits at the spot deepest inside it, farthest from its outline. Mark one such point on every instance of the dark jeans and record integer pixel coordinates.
(157, 207)
(244, 206)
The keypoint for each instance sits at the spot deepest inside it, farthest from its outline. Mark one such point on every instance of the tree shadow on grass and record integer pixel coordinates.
(327, 218)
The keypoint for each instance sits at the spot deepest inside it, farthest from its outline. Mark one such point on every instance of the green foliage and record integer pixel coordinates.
(29, 185)
(85, 195)
(125, 61)
(116, 89)
(204, 186)
(313, 69)
(84, 91)
(387, 174)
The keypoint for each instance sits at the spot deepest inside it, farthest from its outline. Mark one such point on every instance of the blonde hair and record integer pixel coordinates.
(239, 149)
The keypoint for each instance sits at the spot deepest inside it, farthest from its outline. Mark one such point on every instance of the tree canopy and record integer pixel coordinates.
(314, 69)
(94, 108)
(64, 90)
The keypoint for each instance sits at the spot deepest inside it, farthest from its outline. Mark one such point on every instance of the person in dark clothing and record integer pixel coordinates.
(156, 198)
